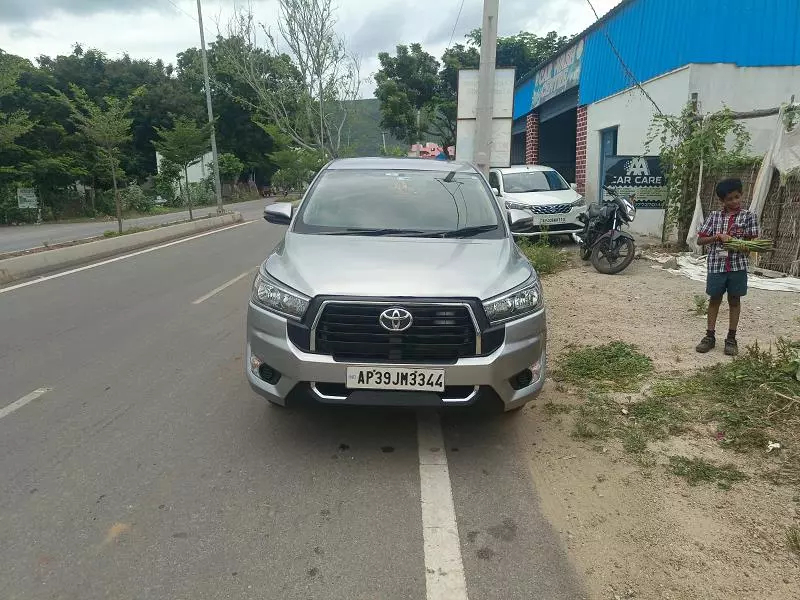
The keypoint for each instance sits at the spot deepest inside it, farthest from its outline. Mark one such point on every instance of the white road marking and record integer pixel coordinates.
(118, 258)
(216, 291)
(444, 569)
(23, 401)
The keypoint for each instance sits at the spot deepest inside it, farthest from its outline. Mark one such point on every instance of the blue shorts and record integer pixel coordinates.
(733, 282)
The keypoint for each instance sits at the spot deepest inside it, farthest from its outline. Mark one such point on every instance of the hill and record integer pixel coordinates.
(362, 130)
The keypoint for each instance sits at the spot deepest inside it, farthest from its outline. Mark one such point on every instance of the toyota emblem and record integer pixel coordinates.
(395, 319)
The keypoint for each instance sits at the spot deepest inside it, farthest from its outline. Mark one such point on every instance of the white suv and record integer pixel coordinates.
(542, 193)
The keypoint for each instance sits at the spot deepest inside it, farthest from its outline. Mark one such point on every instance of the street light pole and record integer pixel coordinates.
(214, 156)
(485, 108)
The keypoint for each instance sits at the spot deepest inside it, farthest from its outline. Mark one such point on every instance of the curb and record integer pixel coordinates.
(30, 265)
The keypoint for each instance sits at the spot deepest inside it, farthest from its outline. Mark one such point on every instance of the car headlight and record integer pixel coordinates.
(579, 201)
(273, 296)
(516, 303)
(510, 204)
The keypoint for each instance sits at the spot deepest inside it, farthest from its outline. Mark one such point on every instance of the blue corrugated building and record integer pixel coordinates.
(582, 107)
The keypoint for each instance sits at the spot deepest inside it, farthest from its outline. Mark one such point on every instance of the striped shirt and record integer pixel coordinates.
(741, 224)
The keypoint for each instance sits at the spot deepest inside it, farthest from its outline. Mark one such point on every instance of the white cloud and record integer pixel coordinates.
(156, 29)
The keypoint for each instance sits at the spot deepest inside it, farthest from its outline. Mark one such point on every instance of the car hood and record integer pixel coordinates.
(394, 267)
(544, 198)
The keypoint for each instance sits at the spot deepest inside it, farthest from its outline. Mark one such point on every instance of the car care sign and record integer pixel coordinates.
(638, 175)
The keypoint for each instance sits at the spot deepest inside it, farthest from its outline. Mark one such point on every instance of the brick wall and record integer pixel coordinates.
(580, 150)
(532, 139)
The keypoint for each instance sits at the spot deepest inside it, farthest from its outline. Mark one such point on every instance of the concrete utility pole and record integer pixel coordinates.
(214, 156)
(485, 108)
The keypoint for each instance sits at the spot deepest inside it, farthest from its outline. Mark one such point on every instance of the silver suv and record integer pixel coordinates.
(398, 282)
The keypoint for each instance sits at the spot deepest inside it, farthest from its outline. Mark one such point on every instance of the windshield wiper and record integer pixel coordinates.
(464, 232)
(372, 232)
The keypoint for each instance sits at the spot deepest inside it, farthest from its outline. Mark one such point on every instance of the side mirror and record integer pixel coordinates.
(519, 220)
(496, 191)
(279, 213)
(574, 186)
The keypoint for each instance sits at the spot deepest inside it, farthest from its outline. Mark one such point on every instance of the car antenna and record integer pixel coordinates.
(450, 176)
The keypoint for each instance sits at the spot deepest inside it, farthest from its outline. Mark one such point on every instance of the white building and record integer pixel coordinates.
(584, 114)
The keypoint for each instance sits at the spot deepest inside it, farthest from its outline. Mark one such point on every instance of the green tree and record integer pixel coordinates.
(685, 141)
(234, 102)
(183, 145)
(230, 167)
(525, 51)
(394, 151)
(16, 123)
(302, 84)
(297, 167)
(417, 93)
(107, 126)
(169, 174)
(406, 84)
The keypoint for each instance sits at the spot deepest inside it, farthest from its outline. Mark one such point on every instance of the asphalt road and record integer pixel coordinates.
(25, 237)
(136, 463)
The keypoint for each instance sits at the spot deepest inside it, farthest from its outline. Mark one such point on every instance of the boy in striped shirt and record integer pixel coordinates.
(727, 270)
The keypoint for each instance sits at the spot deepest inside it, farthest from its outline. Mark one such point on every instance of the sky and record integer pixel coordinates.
(154, 29)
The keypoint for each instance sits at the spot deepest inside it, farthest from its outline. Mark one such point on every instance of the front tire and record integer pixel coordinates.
(611, 257)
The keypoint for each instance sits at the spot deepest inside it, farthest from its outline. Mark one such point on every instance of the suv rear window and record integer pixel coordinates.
(403, 200)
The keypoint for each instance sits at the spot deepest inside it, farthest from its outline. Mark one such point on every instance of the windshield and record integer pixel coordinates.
(533, 181)
(386, 202)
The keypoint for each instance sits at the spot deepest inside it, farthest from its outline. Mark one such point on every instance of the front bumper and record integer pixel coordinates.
(554, 224)
(323, 378)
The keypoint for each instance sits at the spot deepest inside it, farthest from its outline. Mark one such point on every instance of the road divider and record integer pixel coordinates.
(31, 265)
(94, 265)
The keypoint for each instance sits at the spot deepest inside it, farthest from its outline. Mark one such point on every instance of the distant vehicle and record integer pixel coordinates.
(398, 282)
(553, 205)
(160, 201)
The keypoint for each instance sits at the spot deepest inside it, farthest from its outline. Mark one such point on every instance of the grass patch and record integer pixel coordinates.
(700, 305)
(545, 258)
(615, 366)
(698, 470)
(793, 539)
(752, 400)
(111, 233)
(596, 418)
(553, 409)
(658, 418)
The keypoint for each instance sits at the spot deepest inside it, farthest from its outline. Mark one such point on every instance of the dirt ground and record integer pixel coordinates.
(638, 531)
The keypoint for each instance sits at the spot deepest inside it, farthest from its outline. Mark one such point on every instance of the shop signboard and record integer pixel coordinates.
(559, 75)
(638, 175)
(26, 198)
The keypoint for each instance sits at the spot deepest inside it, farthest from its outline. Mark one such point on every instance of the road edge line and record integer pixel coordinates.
(444, 567)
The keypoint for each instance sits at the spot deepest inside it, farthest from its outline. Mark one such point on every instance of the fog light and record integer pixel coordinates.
(527, 376)
(522, 379)
(268, 374)
(255, 363)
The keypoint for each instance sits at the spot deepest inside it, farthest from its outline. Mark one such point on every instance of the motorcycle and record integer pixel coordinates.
(602, 240)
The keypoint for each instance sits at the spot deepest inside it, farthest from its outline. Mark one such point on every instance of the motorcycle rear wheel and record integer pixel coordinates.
(612, 260)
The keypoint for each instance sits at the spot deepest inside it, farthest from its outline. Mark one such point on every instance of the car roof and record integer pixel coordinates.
(400, 164)
(523, 168)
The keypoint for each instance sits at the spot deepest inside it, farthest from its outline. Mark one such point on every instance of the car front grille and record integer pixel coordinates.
(551, 209)
(439, 333)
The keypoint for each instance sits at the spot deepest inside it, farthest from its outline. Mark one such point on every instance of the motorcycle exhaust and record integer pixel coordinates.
(577, 239)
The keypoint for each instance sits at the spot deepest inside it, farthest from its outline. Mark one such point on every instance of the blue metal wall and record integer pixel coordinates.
(657, 36)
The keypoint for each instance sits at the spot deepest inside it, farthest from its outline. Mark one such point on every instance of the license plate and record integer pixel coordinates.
(395, 378)
(552, 220)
